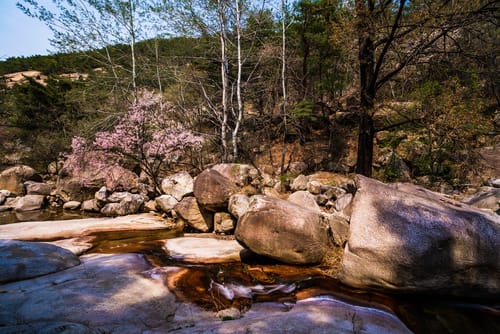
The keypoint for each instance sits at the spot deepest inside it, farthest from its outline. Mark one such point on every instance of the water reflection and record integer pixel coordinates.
(11, 217)
(240, 285)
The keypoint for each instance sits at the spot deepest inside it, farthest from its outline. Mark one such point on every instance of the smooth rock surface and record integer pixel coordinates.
(402, 241)
(13, 178)
(178, 185)
(29, 203)
(37, 188)
(106, 293)
(487, 199)
(305, 199)
(315, 315)
(238, 205)
(63, 229)
(166, 202)
(283, 231)
(212, 190)
(203, 250)
(195, 217)
(20, 260)
(72, 205)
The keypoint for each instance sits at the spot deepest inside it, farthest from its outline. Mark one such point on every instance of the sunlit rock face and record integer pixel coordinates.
(409, 240)
(178, 185)
(107, 293)
(212, 190)
(283, 230)
(13, 178)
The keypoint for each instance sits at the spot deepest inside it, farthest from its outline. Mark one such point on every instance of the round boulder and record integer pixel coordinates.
(212, 190)
(284, 231)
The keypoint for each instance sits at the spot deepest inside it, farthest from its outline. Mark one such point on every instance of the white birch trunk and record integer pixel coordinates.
(224, 76)
(239, 117)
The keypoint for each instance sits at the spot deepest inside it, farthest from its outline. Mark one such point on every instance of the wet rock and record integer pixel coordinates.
(91, 205)
(72, 205)
(62, 229)
(178, 185)
(29, 203)
(315, 315)
(203, 250)
(283, 231)
(108, 293)
(405, 242)
(195, 217)
(20, 260)
(213, 190)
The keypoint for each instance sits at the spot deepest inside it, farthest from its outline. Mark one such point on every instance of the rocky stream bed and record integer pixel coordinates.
(142, 274)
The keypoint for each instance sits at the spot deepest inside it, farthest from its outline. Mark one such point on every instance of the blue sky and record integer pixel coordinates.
(21, 35)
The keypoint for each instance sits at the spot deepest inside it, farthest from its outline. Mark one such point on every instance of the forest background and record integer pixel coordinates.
(395, 89)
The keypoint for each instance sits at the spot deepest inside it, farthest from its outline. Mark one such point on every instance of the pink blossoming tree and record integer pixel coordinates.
(143, 136)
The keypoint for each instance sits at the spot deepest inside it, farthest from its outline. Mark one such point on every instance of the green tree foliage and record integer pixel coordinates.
(41, 118)
(345, 60)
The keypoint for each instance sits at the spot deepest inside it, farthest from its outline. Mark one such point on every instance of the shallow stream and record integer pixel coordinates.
(256, 279)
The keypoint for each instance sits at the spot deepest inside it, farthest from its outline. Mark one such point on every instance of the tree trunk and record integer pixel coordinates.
(366, 134)
(224, 77)
(367, 86)
(239, 117)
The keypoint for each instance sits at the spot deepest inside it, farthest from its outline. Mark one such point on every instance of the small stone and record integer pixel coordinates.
(72, 205)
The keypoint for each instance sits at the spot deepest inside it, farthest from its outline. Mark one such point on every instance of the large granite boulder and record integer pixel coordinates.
(212, 190)
(283, 230)
(194, 216)
(84, 186)
(239, 174)
(305, 199)
(178, 185)
(29, 203)
(20, 260)
(13, 178)
(37, 188)
(420, 242)
(128, 204)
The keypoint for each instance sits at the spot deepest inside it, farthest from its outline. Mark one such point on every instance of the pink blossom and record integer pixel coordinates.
(142, 136)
